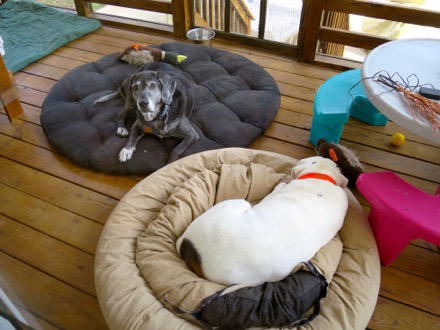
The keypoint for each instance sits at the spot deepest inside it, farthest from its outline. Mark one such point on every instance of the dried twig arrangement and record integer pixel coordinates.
(418, 104)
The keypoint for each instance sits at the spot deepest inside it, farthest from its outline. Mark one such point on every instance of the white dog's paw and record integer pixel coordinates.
(125, 154)
(122, 131)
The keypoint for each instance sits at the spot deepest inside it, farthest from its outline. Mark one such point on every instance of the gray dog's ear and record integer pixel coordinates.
(168, 87)
(125, 90)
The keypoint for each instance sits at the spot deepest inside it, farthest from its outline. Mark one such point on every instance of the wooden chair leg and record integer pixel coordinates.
(8, 96)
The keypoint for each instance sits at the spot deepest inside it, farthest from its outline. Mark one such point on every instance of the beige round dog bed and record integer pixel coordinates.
(141, 281)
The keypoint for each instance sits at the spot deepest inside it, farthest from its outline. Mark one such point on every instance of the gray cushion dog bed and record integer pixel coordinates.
(236, 100)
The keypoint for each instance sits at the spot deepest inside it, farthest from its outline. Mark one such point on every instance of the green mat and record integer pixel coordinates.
(31, 30)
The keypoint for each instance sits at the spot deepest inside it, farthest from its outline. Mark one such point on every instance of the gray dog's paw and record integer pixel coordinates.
(125, 154)
(122, 131)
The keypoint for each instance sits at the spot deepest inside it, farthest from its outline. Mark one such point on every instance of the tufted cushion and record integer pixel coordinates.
(236, 101)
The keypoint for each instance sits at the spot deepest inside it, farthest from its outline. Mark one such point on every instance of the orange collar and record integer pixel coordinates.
(317, 176)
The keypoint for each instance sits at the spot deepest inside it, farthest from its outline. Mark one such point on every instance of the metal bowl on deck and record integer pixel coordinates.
(202, 36)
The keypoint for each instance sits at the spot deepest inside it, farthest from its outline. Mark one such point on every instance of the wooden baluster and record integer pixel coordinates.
(228, 12)
(212, 15)
(218, 14)
(205, 13)
(222, 15)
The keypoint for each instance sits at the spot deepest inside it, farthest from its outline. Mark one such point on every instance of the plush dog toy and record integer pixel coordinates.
(140, 54)
(234, 242)
(345, 158)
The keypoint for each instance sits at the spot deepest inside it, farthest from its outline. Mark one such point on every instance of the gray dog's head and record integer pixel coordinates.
(148, 91)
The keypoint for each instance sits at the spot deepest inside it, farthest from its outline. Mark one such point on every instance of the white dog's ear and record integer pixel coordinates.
(297, 169)
(293, 173)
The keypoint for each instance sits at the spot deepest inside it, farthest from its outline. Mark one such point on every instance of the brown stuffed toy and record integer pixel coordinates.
(346, 159)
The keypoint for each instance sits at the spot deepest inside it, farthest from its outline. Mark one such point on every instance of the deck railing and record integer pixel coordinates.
(217, 13)
(317, 33)
(323, 29)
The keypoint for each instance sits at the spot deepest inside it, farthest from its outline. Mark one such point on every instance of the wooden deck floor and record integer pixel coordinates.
(52, 211)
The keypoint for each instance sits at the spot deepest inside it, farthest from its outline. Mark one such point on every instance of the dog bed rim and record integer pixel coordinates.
(110, 265)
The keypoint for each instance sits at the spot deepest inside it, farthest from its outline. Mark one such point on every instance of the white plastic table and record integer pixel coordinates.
(407, 56)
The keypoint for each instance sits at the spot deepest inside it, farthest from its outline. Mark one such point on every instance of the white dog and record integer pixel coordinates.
(235, 243)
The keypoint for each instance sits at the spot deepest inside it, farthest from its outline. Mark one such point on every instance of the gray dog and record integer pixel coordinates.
(163, 104)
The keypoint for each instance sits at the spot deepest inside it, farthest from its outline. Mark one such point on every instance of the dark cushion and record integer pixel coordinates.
(270, 304)
(236, 101)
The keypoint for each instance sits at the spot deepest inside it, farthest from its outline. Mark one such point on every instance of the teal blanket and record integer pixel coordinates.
(31, 30)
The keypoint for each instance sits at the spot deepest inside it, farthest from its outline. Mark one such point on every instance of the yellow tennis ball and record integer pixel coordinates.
(398, 139)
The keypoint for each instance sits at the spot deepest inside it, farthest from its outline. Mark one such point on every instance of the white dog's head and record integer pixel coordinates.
(319, 165)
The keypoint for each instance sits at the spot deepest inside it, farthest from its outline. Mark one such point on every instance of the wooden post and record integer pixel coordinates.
(309, 30)
(8, 96)
(182, 15)
(83, 8)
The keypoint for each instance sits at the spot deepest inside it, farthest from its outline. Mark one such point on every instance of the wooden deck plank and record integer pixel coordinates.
(60, 62)
(59, 206)
(51, 256)
(50, 72)
(78, 54)
(34, 322)
(47, 218)
(392, 315)
(39, 83)
(24, 131)
(75, 199)
(94, 47)
(49, 299)
(410, 290)
(369, 155)
(383, 141)
(417, 261)
(31, 96)
(57, 165)
(397, 163)
(31, 114)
